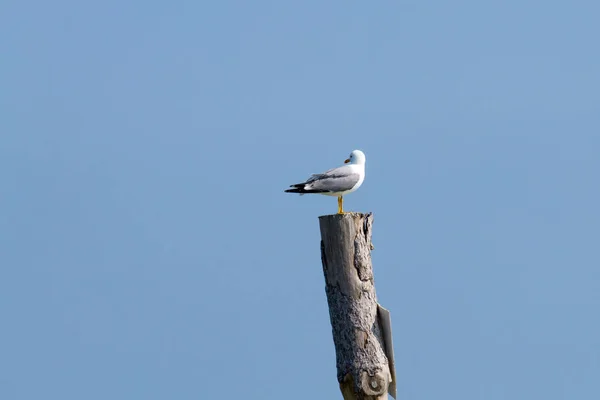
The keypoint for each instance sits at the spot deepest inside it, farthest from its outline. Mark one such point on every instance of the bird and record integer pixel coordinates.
(336, 181)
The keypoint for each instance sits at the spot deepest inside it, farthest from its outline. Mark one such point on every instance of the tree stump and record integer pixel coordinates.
(361, 327)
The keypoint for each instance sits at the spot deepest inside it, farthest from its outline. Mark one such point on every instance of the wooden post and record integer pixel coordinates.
(361, 327)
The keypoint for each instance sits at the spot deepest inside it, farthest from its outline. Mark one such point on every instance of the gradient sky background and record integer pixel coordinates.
(147, 250)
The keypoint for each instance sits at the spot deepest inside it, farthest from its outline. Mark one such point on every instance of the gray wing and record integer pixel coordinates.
(335, 180)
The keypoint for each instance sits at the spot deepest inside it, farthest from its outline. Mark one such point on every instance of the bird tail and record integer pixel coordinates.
(301, 189)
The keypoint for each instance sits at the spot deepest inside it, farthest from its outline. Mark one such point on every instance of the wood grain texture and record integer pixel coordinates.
(363, 370)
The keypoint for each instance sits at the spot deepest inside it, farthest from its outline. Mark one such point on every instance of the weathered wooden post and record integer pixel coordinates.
(361, 327)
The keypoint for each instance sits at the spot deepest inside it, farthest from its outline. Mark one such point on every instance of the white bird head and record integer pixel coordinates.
(356, 157)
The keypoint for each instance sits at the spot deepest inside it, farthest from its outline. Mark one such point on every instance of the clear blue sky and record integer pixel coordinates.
(147, 250)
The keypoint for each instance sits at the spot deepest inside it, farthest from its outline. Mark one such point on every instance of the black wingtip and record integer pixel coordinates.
(296, 188)
(304, 191)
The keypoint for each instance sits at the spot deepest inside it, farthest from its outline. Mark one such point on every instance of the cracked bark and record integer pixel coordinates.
(363, 370)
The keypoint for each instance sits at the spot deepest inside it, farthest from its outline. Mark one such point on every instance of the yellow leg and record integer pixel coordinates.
(340, 205)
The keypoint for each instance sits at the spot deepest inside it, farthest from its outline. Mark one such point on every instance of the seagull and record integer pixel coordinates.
(337, 181)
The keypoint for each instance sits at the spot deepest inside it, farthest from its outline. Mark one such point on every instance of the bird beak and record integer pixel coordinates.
(346, 161)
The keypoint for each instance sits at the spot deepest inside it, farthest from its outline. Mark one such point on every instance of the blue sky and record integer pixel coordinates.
(147, 250)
